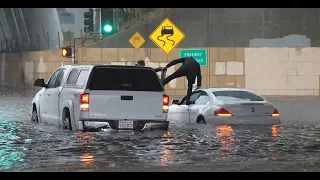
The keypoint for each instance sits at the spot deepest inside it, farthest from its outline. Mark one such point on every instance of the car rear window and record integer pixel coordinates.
(125, 79)
(236, 96)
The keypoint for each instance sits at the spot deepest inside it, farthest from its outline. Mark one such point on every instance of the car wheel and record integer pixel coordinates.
(201, 120)
(67, 122)
(34, 116)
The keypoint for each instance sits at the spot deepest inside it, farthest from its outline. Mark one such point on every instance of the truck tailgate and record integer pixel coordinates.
(131, 105)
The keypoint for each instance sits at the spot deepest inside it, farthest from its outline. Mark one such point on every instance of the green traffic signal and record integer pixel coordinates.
(107, 28)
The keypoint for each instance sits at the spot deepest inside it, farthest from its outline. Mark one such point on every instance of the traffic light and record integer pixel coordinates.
(107, 21)
(88, 21)
(66, 52)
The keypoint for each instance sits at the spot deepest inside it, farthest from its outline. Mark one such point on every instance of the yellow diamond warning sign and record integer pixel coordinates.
(136, 40)
(167, 36)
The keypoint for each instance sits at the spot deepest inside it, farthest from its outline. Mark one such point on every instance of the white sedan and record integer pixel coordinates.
(224, 106)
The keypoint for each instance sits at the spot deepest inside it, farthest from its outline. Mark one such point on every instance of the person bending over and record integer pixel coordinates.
(190, 69)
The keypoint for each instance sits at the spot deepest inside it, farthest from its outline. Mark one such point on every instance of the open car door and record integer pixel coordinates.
(163, 75)
(181, 111)
(178, 112)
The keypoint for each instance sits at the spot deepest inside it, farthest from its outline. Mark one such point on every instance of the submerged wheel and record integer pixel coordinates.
(67, 122)
(201, 120)
(34, 116)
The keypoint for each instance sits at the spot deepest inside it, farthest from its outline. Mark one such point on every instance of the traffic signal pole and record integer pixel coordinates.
(100, 25)
(75, 50)
(90, 21)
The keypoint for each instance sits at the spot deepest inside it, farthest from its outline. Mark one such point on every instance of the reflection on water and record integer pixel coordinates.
(226, 135)
(274, 131)
(86, 158)
(166, 158)
(224, 132)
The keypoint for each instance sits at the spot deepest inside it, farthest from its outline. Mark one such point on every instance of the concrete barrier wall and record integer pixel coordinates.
(268, 71)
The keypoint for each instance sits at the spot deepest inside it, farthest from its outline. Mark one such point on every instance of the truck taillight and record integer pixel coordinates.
(165, 104)
(84, 102)
(222, 112)
(275, 112)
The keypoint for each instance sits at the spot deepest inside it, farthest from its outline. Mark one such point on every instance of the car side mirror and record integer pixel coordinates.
(175, 101)
(40, 83)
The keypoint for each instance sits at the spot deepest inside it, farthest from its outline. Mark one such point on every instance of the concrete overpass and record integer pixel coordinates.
(31, 29)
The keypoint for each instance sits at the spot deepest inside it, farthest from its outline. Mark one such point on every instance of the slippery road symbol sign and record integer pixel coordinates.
(166, 30)
(167, 36)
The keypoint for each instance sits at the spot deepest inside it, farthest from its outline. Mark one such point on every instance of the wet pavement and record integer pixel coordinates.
(292, 146)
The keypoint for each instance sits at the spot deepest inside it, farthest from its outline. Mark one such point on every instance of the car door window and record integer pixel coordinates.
(202, 99)
(82, 78)
(73, 76)
(52, 80)
(60, 77)
(192, 98)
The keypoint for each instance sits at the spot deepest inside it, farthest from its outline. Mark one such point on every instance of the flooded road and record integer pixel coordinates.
(292, 146)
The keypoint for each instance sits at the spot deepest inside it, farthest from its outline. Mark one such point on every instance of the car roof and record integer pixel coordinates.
(225, 89)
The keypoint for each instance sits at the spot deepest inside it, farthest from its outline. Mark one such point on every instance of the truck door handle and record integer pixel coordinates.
(48, 94)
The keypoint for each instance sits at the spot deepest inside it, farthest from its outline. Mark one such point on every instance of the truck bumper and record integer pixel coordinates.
(138, 125)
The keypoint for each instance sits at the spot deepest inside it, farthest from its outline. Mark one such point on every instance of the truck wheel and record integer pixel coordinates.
(67, 122)
(34, 116)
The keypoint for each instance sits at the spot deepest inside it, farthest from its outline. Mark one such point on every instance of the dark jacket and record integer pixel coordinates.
(190, 67)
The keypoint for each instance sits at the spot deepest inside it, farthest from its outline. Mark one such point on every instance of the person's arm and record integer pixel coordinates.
(174, 62)
(158, 69)
(199, 78)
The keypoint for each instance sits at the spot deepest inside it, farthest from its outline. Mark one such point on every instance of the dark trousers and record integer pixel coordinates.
(191, 77)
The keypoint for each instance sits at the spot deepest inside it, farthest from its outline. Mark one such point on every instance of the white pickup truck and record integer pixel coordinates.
(91, 97)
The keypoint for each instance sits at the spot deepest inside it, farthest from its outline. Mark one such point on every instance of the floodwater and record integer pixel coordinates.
(292, 146)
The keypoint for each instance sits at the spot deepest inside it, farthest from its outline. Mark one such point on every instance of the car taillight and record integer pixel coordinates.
(84, 102)
(222, 112)
(165, 104)
(275, 112)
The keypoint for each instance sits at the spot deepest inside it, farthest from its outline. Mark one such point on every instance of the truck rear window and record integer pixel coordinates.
(124, 79)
